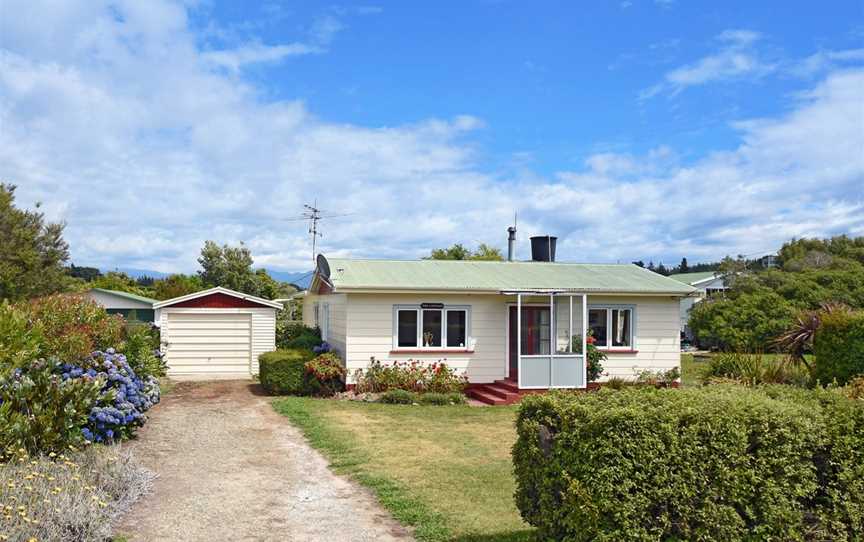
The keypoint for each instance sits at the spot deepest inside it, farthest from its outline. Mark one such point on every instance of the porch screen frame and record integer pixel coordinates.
(553, 339)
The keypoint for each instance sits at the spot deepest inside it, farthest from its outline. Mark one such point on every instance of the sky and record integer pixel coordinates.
(632, 130)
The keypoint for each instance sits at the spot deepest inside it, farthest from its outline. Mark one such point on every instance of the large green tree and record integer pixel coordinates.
(177, 285)
(231, 267)
(33, 253)
(460, 252)
(761, 303)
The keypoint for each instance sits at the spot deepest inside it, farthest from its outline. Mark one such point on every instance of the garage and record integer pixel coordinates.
(216, 333)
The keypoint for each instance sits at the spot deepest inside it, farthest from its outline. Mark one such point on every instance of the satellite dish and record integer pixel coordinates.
(323, 266)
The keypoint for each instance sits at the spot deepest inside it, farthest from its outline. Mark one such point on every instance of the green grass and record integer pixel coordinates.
(444, 470)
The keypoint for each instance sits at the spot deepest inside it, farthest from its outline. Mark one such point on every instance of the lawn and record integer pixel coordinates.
(446, 470)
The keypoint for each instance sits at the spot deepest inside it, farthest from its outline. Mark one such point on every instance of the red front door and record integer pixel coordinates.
(536, 337)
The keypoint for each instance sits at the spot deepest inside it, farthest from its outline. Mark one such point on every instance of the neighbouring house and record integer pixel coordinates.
(514, 325)
(707, 284)
(132, 307)
(216, 333)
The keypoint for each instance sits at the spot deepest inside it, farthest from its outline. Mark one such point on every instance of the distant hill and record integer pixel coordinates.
(136, 273)
(300, 280)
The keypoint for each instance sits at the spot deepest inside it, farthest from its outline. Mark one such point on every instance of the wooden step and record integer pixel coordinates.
(502, 392)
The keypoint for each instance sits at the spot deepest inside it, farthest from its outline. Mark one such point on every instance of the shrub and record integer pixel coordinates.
(322, 348)
(73, 496)
(325, 375)
(412, 375)
(747, 321)
(123, 398)
(753, 369)
(142, 351)
(839, 347)
(711, 463)
(596, 357)
(73, 326)
(41, 412)
(433, 398)
(399, 397)
(20, 340)
(282, 372)
(304, 337)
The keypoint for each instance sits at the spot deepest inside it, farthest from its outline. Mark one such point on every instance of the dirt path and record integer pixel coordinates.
(231, 468)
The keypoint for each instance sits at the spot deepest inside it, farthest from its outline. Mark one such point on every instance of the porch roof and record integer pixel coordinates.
(466, 276)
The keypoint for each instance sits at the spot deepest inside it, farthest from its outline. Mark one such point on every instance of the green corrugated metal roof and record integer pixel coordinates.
(497, 276)
(690, 278)
(127, 295)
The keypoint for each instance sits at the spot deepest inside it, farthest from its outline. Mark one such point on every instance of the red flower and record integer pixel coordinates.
(591, 340)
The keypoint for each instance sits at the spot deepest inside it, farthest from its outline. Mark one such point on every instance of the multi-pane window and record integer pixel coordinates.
(612, 327)
(440, 326)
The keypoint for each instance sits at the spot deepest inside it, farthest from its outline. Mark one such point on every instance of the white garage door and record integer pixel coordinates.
(209, 344)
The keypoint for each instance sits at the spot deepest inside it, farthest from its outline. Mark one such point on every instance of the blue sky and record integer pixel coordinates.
(633, 130)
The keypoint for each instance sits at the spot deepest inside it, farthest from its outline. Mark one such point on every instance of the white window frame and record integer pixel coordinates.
(609, 309)
(419, 338)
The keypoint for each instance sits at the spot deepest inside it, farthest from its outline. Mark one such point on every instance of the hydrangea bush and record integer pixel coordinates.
(124, 398)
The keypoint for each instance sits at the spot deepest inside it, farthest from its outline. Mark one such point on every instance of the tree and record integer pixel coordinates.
(683, 267)
(640, 263)
(662, 269)
(231, 267)
(119, 281)
(33, 253)
(85, 273)
(176, 285)
(227, 266)
(460, 252)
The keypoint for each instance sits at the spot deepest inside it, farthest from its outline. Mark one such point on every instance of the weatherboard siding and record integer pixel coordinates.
(370, 333)
(362, 328)
(338, 324)
(209, 335)
(657, 336)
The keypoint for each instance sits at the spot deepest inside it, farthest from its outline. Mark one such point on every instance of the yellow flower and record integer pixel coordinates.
(52, 454)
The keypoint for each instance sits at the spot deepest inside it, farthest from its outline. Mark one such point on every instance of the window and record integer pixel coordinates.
(439, 326)
(457, 328)
(321, 319)
(612, 327)
(407, 328)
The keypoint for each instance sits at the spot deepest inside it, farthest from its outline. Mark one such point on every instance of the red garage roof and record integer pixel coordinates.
(218, 298)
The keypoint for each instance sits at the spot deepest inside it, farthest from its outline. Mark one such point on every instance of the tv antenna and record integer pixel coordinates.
(314, 215)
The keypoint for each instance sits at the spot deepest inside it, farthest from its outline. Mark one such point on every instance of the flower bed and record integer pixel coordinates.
(411, 375)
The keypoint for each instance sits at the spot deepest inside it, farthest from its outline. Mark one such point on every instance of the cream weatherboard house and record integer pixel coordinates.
(520, 325)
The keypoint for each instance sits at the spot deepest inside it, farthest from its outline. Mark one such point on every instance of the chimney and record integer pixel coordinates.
(511, 243)
(543, 248)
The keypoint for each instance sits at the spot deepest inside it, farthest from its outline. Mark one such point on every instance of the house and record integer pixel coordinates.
(216, 333)
(707, 283)
(132, 307)
(513, 324)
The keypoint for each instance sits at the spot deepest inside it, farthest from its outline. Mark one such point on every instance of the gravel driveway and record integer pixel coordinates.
(230, 468)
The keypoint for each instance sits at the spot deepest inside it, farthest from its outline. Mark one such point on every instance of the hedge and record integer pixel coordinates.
(282, 371)
(839, 347)
(713, 463)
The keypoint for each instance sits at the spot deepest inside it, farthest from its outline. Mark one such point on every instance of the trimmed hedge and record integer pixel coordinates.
(839, 347)
(714, 463)
(282, 372)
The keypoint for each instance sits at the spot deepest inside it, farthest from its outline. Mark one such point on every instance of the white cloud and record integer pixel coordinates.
(117, 120)
(735, 59)
(824, 60)
(254, 53)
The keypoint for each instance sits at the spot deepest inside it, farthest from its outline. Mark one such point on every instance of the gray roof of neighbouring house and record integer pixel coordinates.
(127, 295)
(460, 275)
